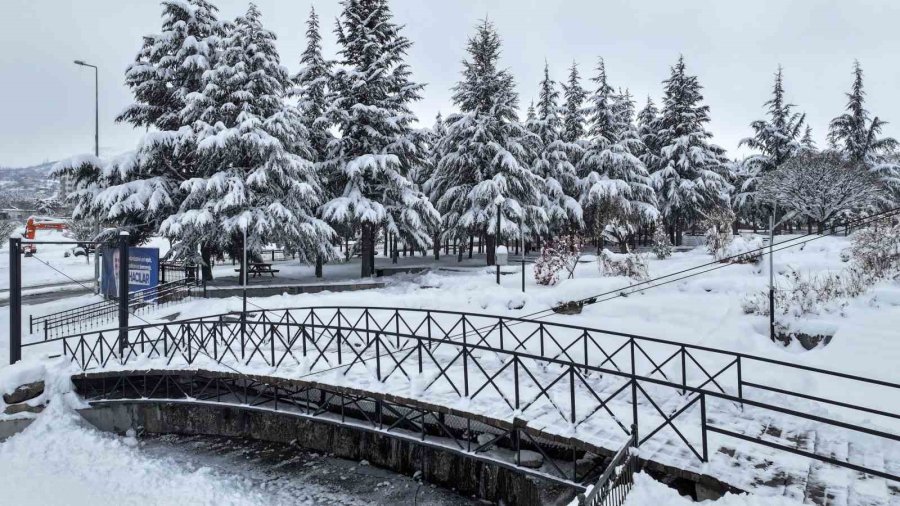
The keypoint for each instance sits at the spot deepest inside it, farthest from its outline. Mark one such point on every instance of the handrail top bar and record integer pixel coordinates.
(436, 340)
(523, 320)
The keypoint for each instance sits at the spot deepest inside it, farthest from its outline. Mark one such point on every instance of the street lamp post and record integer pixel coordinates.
(96, 105)
(96, 154)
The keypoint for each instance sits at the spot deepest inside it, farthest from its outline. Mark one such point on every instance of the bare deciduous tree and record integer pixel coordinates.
(821, 186)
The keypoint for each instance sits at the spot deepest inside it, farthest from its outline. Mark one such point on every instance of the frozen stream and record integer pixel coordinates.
(60, 460)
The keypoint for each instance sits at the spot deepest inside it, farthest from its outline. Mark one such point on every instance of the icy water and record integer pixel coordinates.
(288, 475)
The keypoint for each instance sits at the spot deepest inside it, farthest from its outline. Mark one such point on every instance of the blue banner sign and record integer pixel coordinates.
(143, 271)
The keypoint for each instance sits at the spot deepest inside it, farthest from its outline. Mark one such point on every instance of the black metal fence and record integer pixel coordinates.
(617, 480)
(100, 313)
(178, 271)
(625, 386)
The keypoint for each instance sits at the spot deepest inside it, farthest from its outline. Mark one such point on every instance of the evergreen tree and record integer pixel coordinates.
(689, 178)
(311, 88)
(370, 161)
(616, 190)
(647, 124)
(253, 150)
(807, 143)
(855, 132)
(425, 176)
(486, 153)
(573, 115)
(138, 190)
(858, 136)
(777, 139)
(552, 163)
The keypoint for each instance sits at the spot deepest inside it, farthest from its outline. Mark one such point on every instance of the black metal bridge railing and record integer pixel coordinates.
(579, 380)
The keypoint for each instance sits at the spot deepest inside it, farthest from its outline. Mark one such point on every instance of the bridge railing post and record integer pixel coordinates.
(703, 425)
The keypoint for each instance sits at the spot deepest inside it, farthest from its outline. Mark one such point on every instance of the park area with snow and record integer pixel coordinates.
(706, 310)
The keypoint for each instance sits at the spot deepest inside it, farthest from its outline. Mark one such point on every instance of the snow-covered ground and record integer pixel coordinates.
(703, 310)
(649, 492)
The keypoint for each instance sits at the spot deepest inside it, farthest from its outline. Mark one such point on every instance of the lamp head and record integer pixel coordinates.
(79, 62)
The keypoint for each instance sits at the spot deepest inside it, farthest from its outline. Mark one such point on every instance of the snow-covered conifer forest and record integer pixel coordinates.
(332, 158)
(565, 200)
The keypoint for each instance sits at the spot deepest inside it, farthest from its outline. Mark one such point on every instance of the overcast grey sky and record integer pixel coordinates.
(46, 102)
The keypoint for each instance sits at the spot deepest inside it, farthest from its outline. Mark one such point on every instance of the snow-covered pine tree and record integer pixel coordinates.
(424, 176)
(616, 190)
(560, 189)
(777, 139)
(807, 143)
(138, 190)
(486, 152)
(647, 125)
(251, 147)
(573, 115)
(311, 89)
(858, 135)
(371, 159)
(688, 179)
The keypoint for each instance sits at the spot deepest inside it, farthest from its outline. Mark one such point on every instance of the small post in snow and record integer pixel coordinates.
(772, 273)
(499, 201)
(522, 249)
(244, 274)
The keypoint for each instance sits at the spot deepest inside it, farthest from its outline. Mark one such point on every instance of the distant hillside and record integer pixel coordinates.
(41, 171)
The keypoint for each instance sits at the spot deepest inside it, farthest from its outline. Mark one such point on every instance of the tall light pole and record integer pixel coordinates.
(96, 105)
(96, 154)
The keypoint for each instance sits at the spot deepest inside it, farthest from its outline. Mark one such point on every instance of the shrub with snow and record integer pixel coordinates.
(742, 250)
(631, 265)
(876, 249)
(874, 255)
(557, 255)
(718, 232)
(662, 246)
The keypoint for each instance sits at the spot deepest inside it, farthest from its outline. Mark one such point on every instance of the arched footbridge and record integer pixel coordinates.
(547, 400)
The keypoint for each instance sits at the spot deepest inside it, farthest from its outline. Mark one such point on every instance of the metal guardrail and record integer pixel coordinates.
(617, 480)
(98, 313)
(567, 373)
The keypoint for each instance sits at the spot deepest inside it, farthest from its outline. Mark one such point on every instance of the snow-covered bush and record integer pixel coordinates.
(874, 256)
(799, 294)
(742, 250)
(662, 246)
(557, 255)
(718, 231)
(876, 250)
(631, 265)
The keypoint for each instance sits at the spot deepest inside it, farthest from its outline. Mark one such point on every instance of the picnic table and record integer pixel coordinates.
(257, 269)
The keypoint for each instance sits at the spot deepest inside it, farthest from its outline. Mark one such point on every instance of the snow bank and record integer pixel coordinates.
(649, 492)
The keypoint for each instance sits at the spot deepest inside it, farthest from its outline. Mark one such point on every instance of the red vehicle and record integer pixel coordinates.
(36, 223)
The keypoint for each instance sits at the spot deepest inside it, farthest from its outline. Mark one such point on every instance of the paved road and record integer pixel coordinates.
(41, 296)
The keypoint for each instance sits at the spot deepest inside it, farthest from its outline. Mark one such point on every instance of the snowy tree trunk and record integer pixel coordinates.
(319, 263)
(367, 250)
(491, 249)
(206, 259)
(436, 242)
